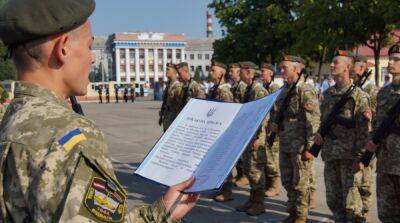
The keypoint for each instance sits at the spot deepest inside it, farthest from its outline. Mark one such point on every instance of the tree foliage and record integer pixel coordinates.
(7, 69)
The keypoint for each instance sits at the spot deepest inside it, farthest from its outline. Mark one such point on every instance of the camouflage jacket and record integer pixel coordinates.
(238, 90)
(190, 90)
(389, 151)
(55, 166)
(301, 119)
(223, 93)
(2, 111)
(271, 87)
(372, 90)
(345, 142)
(172, 104)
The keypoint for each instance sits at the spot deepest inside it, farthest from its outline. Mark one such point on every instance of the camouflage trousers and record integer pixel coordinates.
(342, 194)
(254, 168)
(388, 195)
(168, 118)
(272, 161)
(366, 186)
(295, 176)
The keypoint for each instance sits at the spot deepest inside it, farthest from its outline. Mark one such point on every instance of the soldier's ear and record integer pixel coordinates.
(61, 50)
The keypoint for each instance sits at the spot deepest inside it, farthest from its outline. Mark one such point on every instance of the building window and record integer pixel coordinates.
(169, 53)
(132, 68)
(192, 68)
(207, 67)
(160, 54)
(207, 56)
(151, 68)
(122, 53)
(141, 53)
(141, 68)
(185, 56)
(160, 68)
(122, 68)
(151, 54)
(178, 54)
(200, 56)
(132, 54)
(192, 56)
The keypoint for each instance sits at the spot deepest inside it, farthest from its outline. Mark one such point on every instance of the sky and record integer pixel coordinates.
(171, 16)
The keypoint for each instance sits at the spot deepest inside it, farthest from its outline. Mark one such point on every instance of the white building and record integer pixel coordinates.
(103, 53)
(142, 57)
(199, 54)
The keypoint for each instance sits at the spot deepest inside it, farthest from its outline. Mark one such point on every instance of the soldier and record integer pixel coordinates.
(221, 92)
(295, 135)
(272, 173)
(100, 91)
(359, 67)
(116, 88)
(170, 107)
(254, 155)
(190, 88)
(387, 168)
(61, 171)
(343, 146)
(133, 93)
(126, 94)
(108, 94)
(238, 89)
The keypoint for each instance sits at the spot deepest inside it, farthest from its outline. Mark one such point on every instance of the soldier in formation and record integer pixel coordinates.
(132, 93)
(107, 94)
(170, 107)
(100, 91)
(190, 88)
(296, 132)
(59, 173)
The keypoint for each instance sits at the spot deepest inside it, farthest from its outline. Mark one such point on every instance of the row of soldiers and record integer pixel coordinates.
(129, 94)
(348, 183)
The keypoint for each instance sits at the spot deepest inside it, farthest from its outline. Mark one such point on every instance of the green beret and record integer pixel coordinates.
(248, 65)
(182, 64)
(362, 59)
(218, 64)
(345, 53)
(292, 58)
(394, 49)
(268, 66)
(26, 20)
(234, 65)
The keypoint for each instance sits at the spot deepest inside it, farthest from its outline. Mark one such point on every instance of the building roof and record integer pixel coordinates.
(148, 36)
(366, 51)
(200, 45)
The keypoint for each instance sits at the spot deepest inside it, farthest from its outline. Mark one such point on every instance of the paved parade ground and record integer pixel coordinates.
(132, 129)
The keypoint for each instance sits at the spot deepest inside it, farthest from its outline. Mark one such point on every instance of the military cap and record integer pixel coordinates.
(345, 53)
(248, 65)
(218, 64)
(182, 64)
(234, 65)
(22, 21)
(395, 48)
(360, 58)
(268, 66)
(292, 58)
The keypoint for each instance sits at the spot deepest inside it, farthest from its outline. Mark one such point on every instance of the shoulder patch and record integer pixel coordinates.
(71, 139)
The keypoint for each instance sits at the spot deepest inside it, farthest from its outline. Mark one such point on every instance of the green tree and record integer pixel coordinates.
(7, 69)
(197, 74)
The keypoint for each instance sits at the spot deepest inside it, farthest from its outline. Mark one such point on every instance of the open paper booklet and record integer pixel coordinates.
(205, 140)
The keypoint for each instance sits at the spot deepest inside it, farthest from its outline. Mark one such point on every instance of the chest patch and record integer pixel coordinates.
(105, 201)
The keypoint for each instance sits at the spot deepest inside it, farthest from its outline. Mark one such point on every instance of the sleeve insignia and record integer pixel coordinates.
(71, 139)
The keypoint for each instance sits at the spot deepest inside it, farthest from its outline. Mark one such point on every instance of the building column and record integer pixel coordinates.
(174, 55)
(127, 66)
(146, 65)
(117, 65)
(164, 64)
(183, 59)
(155, 65)
(137, 69)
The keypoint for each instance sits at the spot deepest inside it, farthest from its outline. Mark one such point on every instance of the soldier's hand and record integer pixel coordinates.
(274, 127)
(371, 146)
(318, 140)
(306, 155)
(368, 115)
(186, 203)
(358, 166)
(255, 144)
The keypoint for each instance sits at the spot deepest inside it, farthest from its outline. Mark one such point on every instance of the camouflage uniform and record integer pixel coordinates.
(254, 158)
(55, 164)
(2, 111)
(3, 97)
(238, 90)
(172, 103)
(388, 168)
(367, 180)
(191, 89)
(296, 134)
(341, 149)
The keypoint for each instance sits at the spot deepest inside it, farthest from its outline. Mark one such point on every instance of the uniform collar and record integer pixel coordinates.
(29, 89)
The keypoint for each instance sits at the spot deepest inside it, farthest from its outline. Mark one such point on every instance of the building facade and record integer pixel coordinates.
(103, 52)
(142, 57)
(199, 54)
